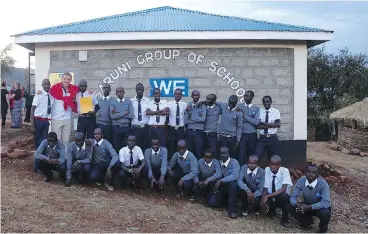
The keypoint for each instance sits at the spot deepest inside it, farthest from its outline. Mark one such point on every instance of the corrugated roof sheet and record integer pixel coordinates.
(169, 19)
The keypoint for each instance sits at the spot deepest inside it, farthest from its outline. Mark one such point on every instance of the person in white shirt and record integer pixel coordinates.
(86, 121)
(140, 121)
(40, 113)
(157, 111)
(276, 190)
(176, 129)
(132, 162)
(270, 121)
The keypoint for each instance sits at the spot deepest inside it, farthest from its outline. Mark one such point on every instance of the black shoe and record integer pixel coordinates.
(232, 215)
(193, 198)
(271, 213)
(47, 178)
(286, 224)
(179, 193)
(323, 229)
(245, 213)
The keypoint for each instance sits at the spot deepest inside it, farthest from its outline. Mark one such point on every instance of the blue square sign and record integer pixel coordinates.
(168, 86)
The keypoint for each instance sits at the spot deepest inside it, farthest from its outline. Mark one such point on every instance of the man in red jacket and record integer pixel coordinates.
(64, 94)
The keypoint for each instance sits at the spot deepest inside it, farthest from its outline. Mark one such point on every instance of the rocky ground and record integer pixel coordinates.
(30, 205)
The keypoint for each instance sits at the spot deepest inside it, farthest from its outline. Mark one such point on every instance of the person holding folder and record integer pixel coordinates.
(87, 107)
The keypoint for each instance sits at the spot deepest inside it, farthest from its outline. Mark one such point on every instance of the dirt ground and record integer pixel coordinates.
(30, 205)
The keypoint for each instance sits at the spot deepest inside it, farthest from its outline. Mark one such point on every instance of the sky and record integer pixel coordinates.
(347, 19)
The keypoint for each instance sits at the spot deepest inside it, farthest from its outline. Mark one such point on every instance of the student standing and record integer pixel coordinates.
(230, 125)
(103, 117)
(157, 111)
(121, 113)
(251, 117)
(226, 186)
(269, 123)
(316, 200)
(86, 121)
(195, 117)
(41, 113)
(211, 124)
(176, 129)
(156, 164)
(276, 190)
(251, 183)
(140, 120)
(132, 162)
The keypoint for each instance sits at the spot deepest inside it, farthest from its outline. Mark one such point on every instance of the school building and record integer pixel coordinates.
(173, 48)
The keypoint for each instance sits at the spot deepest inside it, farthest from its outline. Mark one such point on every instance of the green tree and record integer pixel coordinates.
(6, 60)
(336, 80)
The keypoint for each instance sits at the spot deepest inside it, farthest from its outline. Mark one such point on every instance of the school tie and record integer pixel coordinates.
(48, 104)
(247, 107)
(177, 114)
(250, 175)
(310, 187)
(121, 100)
(82, 94)
(157, 117)
(131, 158)
(139, 111)
(80, 149)
(105, 98)
(266, 121)
(96, 144)
(273, 184)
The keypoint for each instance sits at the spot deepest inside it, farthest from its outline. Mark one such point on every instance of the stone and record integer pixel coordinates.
(17, 153)
(333, 179)
(345, 151)
(364, 154)
(334, 147)
(342, 178)
(4, 151)
(355, 152)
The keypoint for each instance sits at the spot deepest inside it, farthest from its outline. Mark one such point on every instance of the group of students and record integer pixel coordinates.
(217, 181)
(124, 140)
(203, 124)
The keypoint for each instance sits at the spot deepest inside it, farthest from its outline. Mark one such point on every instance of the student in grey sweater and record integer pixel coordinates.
(121, 113)
(316, 200)
(209, 172)
(226, 186)
(251, 117)
(78, 155)
(104, 160)
(50, 156)
(230, 125)
(194, 118)
(211, 124)
(103, 117)
(182, 169)
(251, 183)
(156, 164)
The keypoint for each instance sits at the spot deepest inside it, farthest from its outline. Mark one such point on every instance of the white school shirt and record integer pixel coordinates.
(57, 110)
(272, 116)
(40, 101)
(144, 104)
(85, 94)
(124, 155)
(153, 107)
(282, 177)
(172, 117)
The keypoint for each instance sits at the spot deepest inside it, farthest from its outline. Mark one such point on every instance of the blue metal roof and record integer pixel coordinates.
(169, 19)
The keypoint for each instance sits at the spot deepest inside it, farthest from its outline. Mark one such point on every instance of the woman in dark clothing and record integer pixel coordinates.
(4, 103)
(16, 106)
